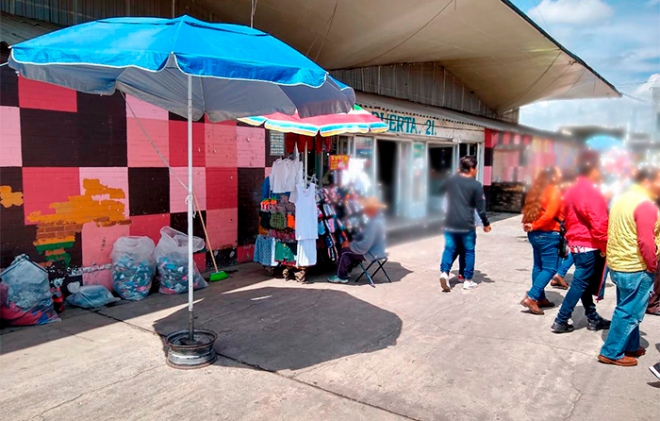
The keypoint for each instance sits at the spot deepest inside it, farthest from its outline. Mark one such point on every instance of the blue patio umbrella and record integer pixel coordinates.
(603, 143)
(188, 67)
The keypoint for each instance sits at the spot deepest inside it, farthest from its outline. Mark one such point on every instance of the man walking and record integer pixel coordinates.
(632, 258)
(585, 209)
(464, 195)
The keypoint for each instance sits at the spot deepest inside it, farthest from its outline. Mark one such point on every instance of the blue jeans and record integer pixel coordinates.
(633, 291)
(565, 265)
(454, 240)
(589, 268)
(546, 260)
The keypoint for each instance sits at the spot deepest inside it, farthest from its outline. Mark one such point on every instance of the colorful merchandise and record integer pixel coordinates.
(284, 253)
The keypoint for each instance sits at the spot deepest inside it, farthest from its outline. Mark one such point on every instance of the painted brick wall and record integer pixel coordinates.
(77, 172)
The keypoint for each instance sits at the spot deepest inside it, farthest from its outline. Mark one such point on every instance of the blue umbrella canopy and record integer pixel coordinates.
(188, 67)
(237, 71)
(602, 143)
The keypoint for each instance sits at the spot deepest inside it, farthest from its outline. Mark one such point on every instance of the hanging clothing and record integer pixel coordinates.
(265, 189)
(306, 213)
(264, 251)
(285, 175)
(283, 253)
(306, 254)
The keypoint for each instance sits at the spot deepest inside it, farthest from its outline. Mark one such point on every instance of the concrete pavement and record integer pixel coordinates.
(336, 352)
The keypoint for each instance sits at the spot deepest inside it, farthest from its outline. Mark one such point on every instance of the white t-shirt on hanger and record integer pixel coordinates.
(306, 213)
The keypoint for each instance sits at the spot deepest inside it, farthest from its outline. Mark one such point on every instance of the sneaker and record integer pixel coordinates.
(470, 284)
(444, 282)
(460, 278)
(656, 370)
(598, 324)
(334, 279)
(561, 327)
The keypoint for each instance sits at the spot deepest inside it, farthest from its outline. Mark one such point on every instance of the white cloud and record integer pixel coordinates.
(574, 12)
(653, 2)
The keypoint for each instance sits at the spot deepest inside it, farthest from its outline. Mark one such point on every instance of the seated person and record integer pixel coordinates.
(370, 247)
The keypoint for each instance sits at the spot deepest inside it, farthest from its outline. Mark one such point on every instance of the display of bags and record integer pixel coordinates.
(90, 296)
(172, 261)
(133, 267)
(25, 296)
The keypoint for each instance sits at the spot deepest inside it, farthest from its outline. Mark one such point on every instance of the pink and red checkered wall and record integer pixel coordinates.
(77, 172)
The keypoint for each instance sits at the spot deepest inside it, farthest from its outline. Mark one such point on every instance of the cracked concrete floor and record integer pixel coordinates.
(335, 352)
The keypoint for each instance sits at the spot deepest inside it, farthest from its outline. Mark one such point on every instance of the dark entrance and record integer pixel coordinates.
(386, 150)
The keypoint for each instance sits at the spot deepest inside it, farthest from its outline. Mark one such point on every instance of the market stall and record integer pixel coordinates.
(304, 219)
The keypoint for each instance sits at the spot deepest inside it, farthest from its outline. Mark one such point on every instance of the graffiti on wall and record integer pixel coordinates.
(56, 232)
(9, 198)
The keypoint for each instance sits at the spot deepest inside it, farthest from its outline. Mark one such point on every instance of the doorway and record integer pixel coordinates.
(386, 173)
(441, 166)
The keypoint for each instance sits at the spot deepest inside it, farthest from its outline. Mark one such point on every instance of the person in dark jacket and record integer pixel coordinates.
(464, 195)
(585, 209)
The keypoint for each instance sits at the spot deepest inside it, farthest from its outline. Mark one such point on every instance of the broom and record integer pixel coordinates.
(217, 275)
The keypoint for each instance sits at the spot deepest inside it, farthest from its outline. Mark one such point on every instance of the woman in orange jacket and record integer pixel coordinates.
(541, 213)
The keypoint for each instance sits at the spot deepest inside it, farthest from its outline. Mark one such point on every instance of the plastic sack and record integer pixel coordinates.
(172, 262)
(90, 296)
(133, 267)
(25, 296)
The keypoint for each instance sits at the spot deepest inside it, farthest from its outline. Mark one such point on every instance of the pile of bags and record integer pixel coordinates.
(25, 295)
(133, 267)
(172, 262)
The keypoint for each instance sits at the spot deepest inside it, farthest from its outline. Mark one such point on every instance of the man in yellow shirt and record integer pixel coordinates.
(633, 233)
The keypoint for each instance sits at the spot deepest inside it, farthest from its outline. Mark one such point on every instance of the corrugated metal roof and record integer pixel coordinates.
(392, 104)
(490, 45)
(14, 29)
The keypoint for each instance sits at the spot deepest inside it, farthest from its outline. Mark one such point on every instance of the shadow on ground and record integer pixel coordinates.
(290, 328)
(479, 277)
(395, 271)
(76, 320)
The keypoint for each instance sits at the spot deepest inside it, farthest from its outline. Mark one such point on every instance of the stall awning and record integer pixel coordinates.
(355, 121)
(397, 105)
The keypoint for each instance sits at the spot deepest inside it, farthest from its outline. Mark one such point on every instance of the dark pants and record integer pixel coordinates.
(347, 262)
(654, 302)
(460, 253)
(546, 260)
(589, 269)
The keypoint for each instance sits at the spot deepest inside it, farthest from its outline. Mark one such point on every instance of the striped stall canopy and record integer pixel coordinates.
(355, 121)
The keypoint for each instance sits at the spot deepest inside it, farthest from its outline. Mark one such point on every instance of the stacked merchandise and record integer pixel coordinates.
(341, 218)
(288, 219)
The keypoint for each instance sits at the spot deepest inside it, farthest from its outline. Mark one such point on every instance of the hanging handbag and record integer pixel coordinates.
(563, 243)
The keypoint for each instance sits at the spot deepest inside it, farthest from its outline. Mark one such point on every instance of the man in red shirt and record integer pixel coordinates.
(585, 209)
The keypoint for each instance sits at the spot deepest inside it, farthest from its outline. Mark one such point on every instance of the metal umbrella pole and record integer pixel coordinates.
(191, 271)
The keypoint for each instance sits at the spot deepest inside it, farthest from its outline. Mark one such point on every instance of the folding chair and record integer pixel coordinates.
(381, 266)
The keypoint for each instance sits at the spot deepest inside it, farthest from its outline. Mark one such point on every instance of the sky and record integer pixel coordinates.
(619, 39)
